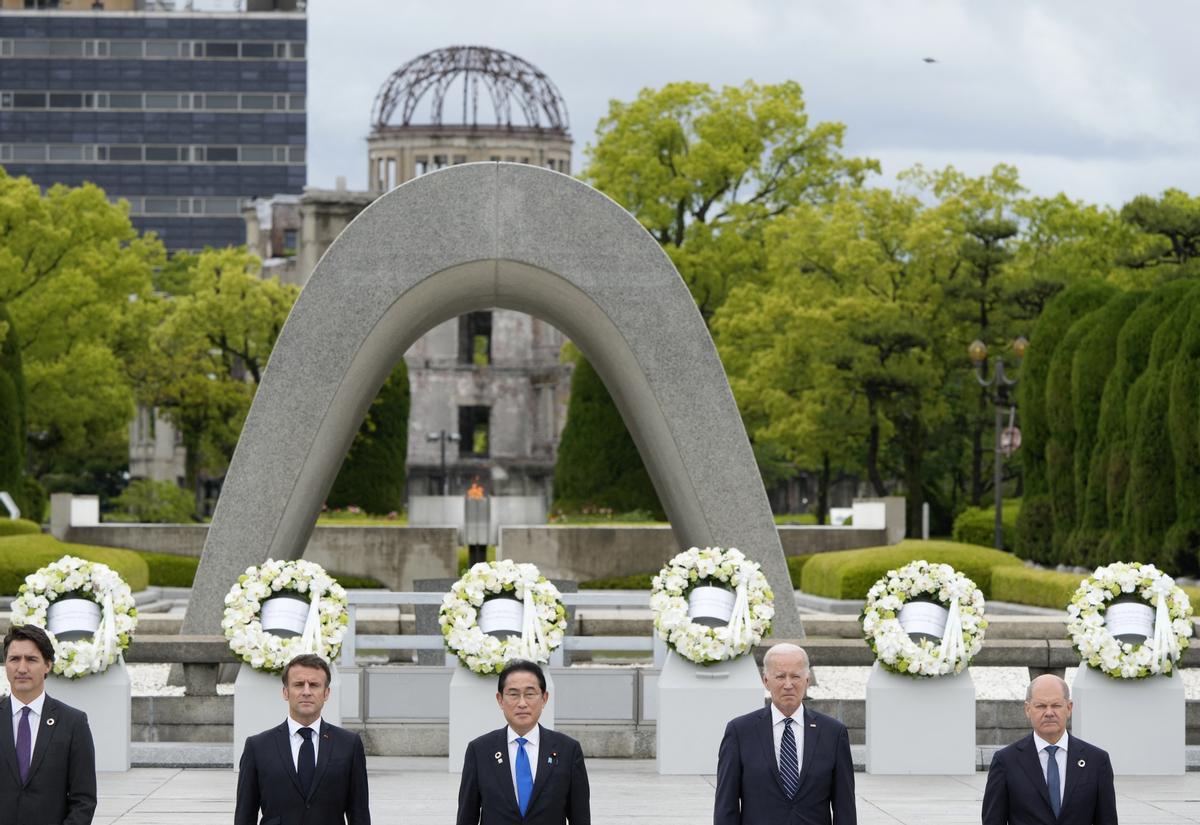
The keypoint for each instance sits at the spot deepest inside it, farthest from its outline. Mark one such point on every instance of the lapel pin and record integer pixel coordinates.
(812, 724)
(50, 721)
(1082, 762)
(499, 758)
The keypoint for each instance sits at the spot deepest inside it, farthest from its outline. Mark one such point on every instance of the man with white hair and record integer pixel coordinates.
(785, 763)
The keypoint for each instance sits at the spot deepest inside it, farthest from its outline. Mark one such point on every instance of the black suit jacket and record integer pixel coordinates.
(1016, 792)
(560, 784)
(748, 788)
(61, 787)
(267, 780)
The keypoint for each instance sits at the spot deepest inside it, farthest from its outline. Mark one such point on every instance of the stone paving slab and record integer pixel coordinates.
(420, 791)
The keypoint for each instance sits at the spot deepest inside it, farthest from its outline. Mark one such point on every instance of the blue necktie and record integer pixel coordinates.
(1052, 779)
(306, 761)
(524, 776)
(789, 773)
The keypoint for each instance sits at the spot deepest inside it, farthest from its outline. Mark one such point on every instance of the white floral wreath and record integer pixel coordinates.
(752, 611)
(894, 649)
(1123, 660)
(545, 618)
(326, 624)
(76, 577)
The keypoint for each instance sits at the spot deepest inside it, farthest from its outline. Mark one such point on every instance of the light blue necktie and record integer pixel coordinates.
(524, 776)
(1052, 779)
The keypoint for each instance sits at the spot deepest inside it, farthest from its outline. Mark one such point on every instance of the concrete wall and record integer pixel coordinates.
(596, 552)
(394, 555)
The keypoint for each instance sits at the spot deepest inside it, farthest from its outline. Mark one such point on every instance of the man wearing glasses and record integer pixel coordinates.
(785, 763)
(523, 772)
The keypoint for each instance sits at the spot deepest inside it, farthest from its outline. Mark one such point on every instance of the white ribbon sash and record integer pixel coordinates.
(1166, 646)
(953, 647)
(106, 633)
(740, 630)
(310, 639)
(532, 638)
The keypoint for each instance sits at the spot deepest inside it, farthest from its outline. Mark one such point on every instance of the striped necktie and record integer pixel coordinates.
(789, 771)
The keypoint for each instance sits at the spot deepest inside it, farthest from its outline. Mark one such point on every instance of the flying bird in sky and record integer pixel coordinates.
(929, 59)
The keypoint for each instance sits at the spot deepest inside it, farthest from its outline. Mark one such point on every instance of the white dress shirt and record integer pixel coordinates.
(1060, 756)
(297, 740)
(777, 718)
(531, 750)
(35, 718)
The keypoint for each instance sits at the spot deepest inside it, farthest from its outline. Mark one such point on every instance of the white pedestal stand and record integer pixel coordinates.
(1140, 722)
(920, 726)
(105, 698)
(258, 705)
(695, 704)
(474, 712)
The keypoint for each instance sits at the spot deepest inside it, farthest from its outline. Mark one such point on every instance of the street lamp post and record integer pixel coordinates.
(978, 352)
(443, 436)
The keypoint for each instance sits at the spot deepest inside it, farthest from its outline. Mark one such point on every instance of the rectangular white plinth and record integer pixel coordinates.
(1140, 722)
(259, 704)
(920, 726)
(105, 698)
(695, 703)
(474, 712)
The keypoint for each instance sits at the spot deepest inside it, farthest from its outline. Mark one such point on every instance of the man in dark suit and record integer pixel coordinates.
(1049, 777)
(305, 771)
(523, 773)
(785, 763)
(49, 771)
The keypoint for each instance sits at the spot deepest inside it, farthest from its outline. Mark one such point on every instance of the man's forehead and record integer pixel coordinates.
(299, 673)
(787, 661)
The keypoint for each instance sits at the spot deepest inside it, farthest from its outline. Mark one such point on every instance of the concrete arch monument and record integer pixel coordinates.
(467, 238)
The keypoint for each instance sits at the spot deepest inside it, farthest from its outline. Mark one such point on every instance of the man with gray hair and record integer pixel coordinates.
(1049, 777)
(786, 762)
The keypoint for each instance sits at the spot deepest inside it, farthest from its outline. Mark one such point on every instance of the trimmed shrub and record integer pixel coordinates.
(1044, 588)
(598, 465)
(169, 570)
(849, 574)
(154, 502)
(373, 474)
(977, 525)
(18, 527)
(22, 555)
(351, 581)
(633, 581)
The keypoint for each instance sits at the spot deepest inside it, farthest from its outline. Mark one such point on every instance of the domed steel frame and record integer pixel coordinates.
(505, 77)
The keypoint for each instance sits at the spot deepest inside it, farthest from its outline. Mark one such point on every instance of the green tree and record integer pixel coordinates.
(1169, 244)
(12, 412)
(373, 474)
(71, 265)
(157, 502)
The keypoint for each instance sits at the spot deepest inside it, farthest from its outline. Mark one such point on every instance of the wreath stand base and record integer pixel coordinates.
(258, 704)
(920, 726)
(105, 698)
(694, 704)
(474, 712)
(1140, 722)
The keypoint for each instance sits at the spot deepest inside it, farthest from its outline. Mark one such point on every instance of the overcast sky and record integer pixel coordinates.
(1096, 99)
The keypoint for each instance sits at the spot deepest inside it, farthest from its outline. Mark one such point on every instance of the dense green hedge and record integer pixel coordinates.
(1043, 588)
(373, 474)
(642, 581)
(18, 527)
(22, 555)
(849, 574)
(977, 525)
(169, 570)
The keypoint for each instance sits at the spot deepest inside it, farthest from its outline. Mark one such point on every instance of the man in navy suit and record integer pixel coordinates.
(49, 762)
(1049, 777)
(305, 771)
(786, 764)
(523, 773)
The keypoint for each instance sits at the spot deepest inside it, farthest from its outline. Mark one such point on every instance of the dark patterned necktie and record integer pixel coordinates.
(1052, 779)
(306, 763)
(24, 745)
(789, 772)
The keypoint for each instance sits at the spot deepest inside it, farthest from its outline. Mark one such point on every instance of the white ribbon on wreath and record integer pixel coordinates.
(1166, 646)
(106, 632)
(953, 647)
(741, 632)
(532, 638)
(310, 638)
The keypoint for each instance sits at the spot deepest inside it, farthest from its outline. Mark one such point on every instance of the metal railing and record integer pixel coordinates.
(414, 641)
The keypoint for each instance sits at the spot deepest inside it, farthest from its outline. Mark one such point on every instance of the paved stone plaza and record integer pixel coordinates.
(420, 791)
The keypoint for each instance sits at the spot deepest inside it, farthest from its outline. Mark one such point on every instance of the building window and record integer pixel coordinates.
(439, 161)
(420, 166)
(473, 426)
(458, 159)
(475, 339)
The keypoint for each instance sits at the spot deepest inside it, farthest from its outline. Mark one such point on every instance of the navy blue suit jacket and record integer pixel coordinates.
(267, 780)
(61, 786)
(749, 791)
(1016, 792)
(560, 784)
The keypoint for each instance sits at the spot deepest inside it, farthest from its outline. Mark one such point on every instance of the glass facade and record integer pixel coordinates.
(184, 115)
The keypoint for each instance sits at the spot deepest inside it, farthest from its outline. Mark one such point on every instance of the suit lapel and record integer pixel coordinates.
(766, 739)
(282, 736)
(810, 730)
(548, 751)
(504, 774)
(323, 754)
(8, 748)
(1074, 771)
(1032, 765)
(46, 729)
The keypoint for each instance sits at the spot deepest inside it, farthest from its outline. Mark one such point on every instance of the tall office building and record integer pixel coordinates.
(184, 108)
